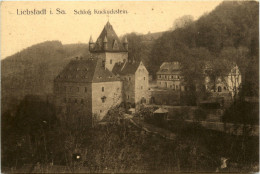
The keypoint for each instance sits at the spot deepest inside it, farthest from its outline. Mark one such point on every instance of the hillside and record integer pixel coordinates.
(32, 70)
(229, 32)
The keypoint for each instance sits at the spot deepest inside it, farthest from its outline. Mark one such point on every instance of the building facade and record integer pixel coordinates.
(135, 78)
(169, 76)
(90, 86)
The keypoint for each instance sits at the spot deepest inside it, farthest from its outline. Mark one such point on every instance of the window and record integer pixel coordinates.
(82, 101)
(144, 78)
(77, 89)
(129, 78)
(76, 101)
(103, 89)
(141, 87)
(103, 99)
(177, 86)
(219, 89)
(127, 96)
(172, 77)
(86, 89)
(111, 61)
(65, 100)
(100, 111)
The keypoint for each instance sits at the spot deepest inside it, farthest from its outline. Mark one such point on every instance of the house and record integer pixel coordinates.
(90, 86)
(169, 76)
(228, 83)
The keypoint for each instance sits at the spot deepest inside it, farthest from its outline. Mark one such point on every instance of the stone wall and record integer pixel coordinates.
(111, 58)
(73, 98)
(129, 88)
(105, 95)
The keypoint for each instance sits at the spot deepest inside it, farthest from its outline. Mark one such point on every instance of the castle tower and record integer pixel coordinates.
(109, 48)
(125, 43)
(91, 44)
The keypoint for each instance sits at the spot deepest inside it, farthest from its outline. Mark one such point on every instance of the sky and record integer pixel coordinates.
(19, 31)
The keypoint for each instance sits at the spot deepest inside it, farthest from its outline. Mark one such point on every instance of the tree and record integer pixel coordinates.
(182, 22)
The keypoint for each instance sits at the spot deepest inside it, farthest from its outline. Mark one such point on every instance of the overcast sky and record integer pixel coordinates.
(21, 31)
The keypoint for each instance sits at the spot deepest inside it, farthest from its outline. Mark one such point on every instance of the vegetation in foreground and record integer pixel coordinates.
(32, 136)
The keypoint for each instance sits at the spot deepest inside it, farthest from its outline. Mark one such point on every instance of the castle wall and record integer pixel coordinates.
(111, 94)
(73, 99)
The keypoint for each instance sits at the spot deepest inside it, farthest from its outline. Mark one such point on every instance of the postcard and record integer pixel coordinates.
(129, 86)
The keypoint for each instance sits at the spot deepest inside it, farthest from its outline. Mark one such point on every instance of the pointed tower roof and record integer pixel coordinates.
(109, 36)
(125, 40)
(91, 40)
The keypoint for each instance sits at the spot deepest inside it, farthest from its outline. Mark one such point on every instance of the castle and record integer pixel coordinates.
(90, 86)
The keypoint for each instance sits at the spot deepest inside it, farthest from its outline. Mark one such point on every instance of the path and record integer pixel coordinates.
(149, 128)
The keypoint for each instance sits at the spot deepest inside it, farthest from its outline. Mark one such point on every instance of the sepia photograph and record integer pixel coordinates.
(129, 86)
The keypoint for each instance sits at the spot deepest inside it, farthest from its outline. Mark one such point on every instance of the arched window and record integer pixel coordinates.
(219, 89)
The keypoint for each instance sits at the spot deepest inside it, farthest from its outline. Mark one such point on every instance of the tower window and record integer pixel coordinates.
(103, 99)
(103, 89)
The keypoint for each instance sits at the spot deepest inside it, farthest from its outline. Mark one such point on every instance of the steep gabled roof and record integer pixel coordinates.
(126, 68)
(109, 36)
(86, 70)
(169, 68)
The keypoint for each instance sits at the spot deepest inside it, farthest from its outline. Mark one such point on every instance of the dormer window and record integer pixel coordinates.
(115, 45)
